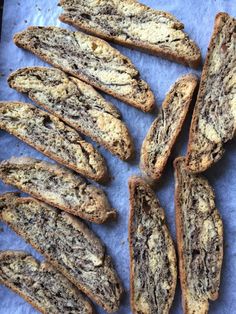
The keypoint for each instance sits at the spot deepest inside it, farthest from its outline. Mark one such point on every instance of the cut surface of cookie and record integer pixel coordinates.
(57, 186)
(214, 118)
(164, 131)
(132, 24)
(199, 232)
(153, 270)
(52, 137)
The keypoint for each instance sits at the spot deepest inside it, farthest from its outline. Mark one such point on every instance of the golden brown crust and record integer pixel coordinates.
(165, 129)
(195, 164)
(191, 305)
(99, 175)
(138, 44)
(146, 106)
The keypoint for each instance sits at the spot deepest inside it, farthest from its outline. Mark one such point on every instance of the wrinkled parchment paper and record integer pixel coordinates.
(198, 17)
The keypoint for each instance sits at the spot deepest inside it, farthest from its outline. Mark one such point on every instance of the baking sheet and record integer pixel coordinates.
(198, 17)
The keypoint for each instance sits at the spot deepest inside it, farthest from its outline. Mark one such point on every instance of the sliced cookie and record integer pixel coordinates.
(164, 131)
(58, 187)
(53, 138)
(153, 270)
(135, 25)
(199, 231)
(214, 118)
(90, 59)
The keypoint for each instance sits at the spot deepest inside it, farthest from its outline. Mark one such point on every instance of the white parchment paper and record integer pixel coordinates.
(198, 17)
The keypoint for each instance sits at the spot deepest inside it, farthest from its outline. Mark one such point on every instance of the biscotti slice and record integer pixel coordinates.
(163, 133)
(68, 245)
(153, 269)
(214, 117)
(52, 137)
(135, 25)
(41, 285)
(200, 240)
(58, 187)
(90, 59)
(77, 104)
